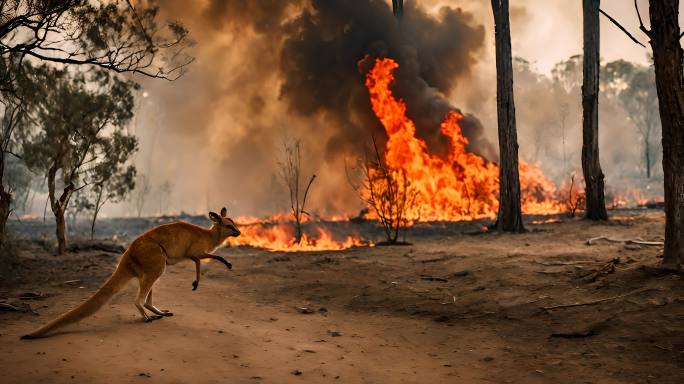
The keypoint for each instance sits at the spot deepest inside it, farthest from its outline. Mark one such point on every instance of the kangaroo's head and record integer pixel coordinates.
(226, 225)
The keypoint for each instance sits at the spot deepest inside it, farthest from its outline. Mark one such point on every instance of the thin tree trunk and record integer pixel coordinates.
(398, 7)
(667, 56)
(60, 231)
(58, 207)
(509, 218)
(5, 209)
(648, 157)
(593, 176)
(95, 212)
(298, 231)
(5, 201)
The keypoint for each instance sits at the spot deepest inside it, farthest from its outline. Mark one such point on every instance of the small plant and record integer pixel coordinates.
(389, 193)
(573, 197)
(290, 171)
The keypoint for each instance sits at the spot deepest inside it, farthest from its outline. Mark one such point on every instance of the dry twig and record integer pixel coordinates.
(594, 302)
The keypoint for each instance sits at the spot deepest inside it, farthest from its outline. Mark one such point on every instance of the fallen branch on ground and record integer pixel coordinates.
(605, 269)
(588, 331)
(601, 300)
(593, 240)
(561, 263)
(431, 278)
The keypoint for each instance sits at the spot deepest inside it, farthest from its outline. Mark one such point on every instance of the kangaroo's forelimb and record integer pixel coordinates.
(198, 264)
(197, 273)
(221, 259)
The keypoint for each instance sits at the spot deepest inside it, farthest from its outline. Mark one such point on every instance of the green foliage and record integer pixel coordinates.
(569, 72)
(71, 114)
(69, 118)
(18, 181)
(615, 76)
(78, 133)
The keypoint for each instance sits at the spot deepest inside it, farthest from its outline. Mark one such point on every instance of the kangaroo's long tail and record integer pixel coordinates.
(114, 284)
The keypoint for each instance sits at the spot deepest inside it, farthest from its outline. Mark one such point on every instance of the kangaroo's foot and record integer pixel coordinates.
(152, 318)
(159, 312)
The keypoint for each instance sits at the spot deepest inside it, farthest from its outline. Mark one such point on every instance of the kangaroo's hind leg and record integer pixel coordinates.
(150, 262)
(151, 307)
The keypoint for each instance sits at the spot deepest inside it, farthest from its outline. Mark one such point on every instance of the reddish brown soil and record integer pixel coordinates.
(457, 308)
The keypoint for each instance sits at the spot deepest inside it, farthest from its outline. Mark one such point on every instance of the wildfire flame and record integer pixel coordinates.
(462, 186)
(277, 234)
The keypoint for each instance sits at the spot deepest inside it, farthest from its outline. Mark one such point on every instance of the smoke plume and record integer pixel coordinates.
(267, 70)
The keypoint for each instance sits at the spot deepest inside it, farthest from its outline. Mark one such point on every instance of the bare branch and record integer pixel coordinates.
(301, 209)
(622, 28)
(641, 22)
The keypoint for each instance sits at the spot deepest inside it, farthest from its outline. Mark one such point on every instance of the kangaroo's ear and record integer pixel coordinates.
(215, 217)
(224, 211)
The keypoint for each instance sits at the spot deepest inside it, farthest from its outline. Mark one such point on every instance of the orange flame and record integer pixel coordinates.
(280, 237)
(464, 186)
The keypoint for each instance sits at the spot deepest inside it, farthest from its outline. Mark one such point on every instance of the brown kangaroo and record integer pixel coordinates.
(146, 258)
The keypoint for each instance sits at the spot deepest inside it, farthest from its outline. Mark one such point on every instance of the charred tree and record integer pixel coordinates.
(667, 56)
(591, 165)
(291, 171)
(398, 7)
(509, 218)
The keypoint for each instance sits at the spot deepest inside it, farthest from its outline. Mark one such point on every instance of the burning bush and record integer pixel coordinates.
(389, 193)
(573, 196)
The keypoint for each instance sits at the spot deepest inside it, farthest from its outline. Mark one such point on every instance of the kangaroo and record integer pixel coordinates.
(146, 258)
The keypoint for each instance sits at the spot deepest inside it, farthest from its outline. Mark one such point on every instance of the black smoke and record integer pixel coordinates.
(320, 71)
(272, 68)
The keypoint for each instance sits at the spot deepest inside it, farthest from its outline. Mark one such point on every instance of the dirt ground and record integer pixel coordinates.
(454, 307)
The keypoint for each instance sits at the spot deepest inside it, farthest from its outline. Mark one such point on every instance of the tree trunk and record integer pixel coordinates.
(648, 157)
(5, 209)
(298, 232)
(667, 57)
(60, 231)
(58, 207)
(509, 218)
(398, 7)
(5, 200)
(96, 211)
(591, 165)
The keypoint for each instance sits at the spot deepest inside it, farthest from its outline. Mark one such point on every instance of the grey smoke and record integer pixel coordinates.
(268, 69)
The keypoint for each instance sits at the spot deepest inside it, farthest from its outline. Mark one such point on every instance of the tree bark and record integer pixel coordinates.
(58, 207)
(96, 211)
(648, 157)
(5, 209)
(509, 218)
(667, 57)
(5, 200)
(591, 165)
(398, 7)
(60, 231)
